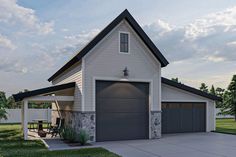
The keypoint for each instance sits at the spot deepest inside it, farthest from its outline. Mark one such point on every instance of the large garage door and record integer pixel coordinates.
(183, 117)
(121, 110)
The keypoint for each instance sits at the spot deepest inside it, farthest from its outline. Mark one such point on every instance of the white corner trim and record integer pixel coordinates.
(25, 119)
(160, 88)
(83, 84)
(207, 117)
(214, 116)
(125, 32)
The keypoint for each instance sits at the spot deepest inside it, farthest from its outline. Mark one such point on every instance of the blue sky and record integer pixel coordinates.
(38, 37)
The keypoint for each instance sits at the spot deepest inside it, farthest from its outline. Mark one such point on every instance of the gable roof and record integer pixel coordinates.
(190, 89)
(133, 23)
(21, 96)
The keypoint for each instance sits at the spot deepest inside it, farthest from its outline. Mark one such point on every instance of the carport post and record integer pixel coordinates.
(25, 119)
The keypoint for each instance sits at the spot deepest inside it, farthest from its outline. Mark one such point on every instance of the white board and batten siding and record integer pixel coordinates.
(172, 94)
(73, 74)
(105, 62)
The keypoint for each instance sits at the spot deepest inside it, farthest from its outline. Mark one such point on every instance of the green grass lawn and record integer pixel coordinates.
(12, 145)
(226, 126)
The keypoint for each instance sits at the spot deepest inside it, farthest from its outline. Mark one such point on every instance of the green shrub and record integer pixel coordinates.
(69, 134)
(83, 137)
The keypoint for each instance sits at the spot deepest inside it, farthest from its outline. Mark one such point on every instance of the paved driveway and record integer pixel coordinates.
(177, 145)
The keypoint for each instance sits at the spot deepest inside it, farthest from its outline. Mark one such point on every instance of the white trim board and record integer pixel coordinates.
(200, 101)
(186, 100)
(50, 98)
(125, 80)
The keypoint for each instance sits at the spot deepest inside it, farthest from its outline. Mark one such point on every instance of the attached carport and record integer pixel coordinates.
(54, 94)
(186, 109)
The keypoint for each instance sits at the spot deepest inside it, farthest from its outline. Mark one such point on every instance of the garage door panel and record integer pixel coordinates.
(164, 117)
(175, 122)
(122, 90)
(131, 130)
(186, 120)
(121, 105)
(121, 126)
(121, 110)
(199, 117)
(123, 118)
(183, 117)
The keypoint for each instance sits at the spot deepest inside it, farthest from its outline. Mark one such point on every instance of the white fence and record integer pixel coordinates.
(14, 115)
(221, 115)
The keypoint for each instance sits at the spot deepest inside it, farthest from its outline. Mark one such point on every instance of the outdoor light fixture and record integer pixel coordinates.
(126, 72)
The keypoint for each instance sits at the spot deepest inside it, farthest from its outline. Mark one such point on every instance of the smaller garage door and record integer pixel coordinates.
(183, 117)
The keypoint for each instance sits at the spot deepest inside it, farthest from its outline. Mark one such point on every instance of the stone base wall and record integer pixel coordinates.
(155, 124)
(80, 120)
(86, 120)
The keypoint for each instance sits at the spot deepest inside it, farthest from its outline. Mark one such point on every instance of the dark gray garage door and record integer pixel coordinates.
(183, 117)
(121, 110)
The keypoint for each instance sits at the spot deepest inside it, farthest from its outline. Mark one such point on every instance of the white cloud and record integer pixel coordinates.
(199, 39)
(6, 43)
(73, 43)
(54, 55)
(64, 30)
(17, 15)
(215, 58)
(83, 37)
(46, 28)
(224, 21)
(8, 65)
(232, 43)
(201, 51)
(160, 27)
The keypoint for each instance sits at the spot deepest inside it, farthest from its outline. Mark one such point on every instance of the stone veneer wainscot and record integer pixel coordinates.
(155, 124)
(79, 120)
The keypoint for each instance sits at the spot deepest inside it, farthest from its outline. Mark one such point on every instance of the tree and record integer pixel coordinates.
(8, 102)
(3, 99)
(212, 90)
(12, 103)
(3, 113)
(40, 105)
(231, 102)
(176, 80)
(220, 93)
(204, 87)
(3, 104)
(226, 104)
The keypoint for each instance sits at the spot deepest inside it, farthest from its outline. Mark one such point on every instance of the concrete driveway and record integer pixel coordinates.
(177, 145)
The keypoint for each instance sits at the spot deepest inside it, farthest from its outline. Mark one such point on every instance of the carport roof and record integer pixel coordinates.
(190, 89)
(47, 90)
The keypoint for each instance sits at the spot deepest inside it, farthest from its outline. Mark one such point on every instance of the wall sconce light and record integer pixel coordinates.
(126, 72)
